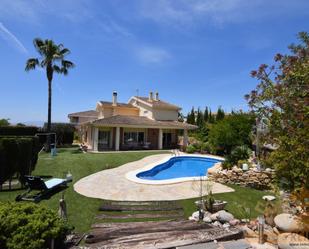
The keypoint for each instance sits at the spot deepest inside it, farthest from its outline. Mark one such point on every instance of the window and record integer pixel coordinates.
(133, 137)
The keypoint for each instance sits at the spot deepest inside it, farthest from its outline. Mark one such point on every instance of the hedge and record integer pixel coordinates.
(18, 130)
(30, 226)
(64, 132)
(18, 156)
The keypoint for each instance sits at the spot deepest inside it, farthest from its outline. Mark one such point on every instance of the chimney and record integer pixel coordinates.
(114, 98)
(157, 96)
(150, 96)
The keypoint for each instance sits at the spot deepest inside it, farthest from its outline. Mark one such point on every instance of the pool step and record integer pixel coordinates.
(156, 215)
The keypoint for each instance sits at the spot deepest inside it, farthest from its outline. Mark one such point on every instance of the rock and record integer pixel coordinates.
(270, 236)
(244, 220)
(288, 223)
(207, 219)
(292, 241)
(276, 230)
(268, 198)
(224, 216)
(234, 222)
(196, 215)
(217, 224)
(214, 217)
(215, 169)
(226, 225)
(193, 218)
(248, 232)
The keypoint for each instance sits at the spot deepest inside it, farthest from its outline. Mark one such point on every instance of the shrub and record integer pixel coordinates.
(239, 153)
(18, 156)
(232, 131)
(64, 132)
(18, 130)
(190, 148)
(30, 226)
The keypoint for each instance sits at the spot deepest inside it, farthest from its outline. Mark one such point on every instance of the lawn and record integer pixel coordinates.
(82, 210)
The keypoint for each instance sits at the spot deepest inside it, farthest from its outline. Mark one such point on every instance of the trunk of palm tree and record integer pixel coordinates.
(49, 73)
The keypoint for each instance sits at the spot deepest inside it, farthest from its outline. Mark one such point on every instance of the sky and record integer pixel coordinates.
(193, 52)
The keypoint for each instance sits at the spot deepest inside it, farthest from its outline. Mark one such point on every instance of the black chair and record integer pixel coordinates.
(43, 189)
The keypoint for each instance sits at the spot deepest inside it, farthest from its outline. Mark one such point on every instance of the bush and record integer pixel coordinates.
(190, 148)
(232, 131)
(30, 226)
(239, 153)
(64, 132)
(18, 156)
(18, 130)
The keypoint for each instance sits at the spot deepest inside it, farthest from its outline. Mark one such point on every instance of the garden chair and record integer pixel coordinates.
(43, 189)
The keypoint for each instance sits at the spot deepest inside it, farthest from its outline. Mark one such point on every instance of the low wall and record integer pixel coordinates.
(250, 178)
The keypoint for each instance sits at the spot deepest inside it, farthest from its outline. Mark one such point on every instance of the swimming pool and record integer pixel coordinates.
(175, 169)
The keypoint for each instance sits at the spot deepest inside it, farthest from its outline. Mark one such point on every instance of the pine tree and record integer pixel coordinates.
(199, 118)
(191, 116)
(206, 115)
(220, 114)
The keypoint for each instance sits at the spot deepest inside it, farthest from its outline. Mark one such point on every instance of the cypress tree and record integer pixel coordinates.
(206, 114)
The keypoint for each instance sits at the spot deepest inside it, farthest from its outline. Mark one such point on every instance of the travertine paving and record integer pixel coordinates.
(112, 184)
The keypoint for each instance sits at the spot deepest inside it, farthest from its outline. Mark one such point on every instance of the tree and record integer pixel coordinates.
(231, 132)
(206, 114)
(199, 118)
(211, 118)
(180, 117)
(281, 97)
(220, 114)
(52, 59)
(191, 117)
(4, 122)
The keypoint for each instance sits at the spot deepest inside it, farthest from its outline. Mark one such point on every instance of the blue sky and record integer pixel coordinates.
(195, 53)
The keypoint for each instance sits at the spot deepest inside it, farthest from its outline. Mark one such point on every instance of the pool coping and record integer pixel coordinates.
(132, 175)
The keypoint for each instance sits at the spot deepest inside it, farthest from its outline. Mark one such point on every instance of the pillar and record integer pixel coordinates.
(95, 138)
(117, 138)
(160, 139)
(185, 138)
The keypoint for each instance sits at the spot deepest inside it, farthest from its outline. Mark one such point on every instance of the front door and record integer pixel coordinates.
(103, 143)
(167, 140)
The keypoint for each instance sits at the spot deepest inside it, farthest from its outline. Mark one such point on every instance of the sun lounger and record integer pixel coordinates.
(43, 189)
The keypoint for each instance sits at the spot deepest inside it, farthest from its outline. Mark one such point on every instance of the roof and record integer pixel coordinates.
(158, 103)
(90, 113)
(108, 103)
(140, 121)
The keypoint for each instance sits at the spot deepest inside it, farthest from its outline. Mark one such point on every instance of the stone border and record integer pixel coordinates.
(132, 175)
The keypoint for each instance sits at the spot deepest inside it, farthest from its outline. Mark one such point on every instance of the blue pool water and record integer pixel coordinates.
(177, 167)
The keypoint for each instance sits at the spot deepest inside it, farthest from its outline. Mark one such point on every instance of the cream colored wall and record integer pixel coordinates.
(126, 111)
(106, 112)
(160, 114)
(144, 110)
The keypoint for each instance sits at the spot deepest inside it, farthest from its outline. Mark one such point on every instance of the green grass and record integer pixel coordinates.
(82, 210)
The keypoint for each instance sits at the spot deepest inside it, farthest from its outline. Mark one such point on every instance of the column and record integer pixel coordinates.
(185, 138)
(117, 138)
(95, 138)
(160, 139)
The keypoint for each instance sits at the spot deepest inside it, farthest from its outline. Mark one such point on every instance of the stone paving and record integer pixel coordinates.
(112, 184)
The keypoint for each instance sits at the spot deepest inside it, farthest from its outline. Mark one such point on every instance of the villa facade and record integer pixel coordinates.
(142, 123)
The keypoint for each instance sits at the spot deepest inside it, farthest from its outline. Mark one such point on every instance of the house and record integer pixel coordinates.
(142, 123)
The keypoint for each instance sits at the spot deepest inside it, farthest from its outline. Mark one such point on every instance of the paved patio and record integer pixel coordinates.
(112, 184)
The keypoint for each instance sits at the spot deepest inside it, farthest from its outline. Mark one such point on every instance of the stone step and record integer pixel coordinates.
(140, 206)
(232, 244)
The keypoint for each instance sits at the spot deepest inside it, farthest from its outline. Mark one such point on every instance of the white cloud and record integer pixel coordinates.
(11, 39)
(218, 12)
(152, 55)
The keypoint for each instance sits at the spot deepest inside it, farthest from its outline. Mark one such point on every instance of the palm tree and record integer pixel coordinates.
(52, 59)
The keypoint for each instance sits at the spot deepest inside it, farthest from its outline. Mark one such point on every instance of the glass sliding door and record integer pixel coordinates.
(104, 140)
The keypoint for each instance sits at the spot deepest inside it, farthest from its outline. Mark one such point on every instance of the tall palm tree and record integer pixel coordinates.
(52, 59)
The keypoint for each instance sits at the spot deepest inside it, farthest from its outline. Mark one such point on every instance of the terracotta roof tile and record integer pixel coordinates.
(158, 103)
(142, 121)
(90, 113)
